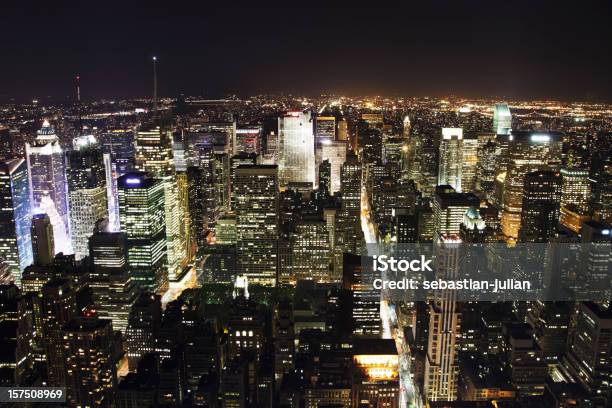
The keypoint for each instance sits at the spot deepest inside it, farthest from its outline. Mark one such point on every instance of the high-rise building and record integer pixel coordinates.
(111, 193)
(393, 154)
(48, 189)
(375, 374)
(179, 151)
(325, 129)
(540, 215)
(458, 159)
(236, 161)
(143, 326)
(176, 246)
(153, 150)
(589, 350)
(195, 192)
(43, 241)
(485, 168)
(602, 197)
(296, 158)
(91, 374)
(222, 187)
(154, 155)
(442, 362)
(335, 153)
(576, 189)
(310, 251)
(469, 165)
(15, 214)
(6, 143)
(351, 235)
(256, 195)
(248, 140)
(527, 152)
(57, 308)
(449, 207)
(208, 164)
(358, 278)
(114, 290)
(226, 230)
(220, 135)
(87, 193)
(182, 185)
(324, 179)
(451, 158)
(142, 216)
(502, 119)
(119, 144)
(343, 130)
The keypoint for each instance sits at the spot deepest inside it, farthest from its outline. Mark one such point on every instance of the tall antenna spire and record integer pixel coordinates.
(155, 84)
(78, 91)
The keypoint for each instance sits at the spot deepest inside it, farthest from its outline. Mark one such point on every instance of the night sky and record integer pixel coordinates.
(506, 49)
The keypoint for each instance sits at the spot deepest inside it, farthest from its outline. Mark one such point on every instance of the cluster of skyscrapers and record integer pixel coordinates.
(210, 253)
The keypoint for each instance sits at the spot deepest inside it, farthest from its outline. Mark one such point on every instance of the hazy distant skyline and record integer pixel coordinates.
(514, 50)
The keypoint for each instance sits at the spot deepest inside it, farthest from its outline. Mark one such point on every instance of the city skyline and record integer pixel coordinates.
(200, 207)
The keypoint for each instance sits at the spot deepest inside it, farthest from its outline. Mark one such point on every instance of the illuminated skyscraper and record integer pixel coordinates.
(469, 165)
(153, 150)
(458, 159)
(90, 361)
(114, 290)
(154, 155)
(296, 158)
(197, 192)
(335, 153)
(325, 129)
(324, 180)
(176, 245)
(540, 215)
(142, 216)
(57, 308)
(342, 130)
(248, 140)
(48, 189)
(310, 251)
(485, 168)
(449, 207)
(143, 325)
(15, 215)
(236, 161)
(392, 154)
(588, 353)
(375, 374)
(442, 363)
(502, 119)
(451, 158)
(7, 143)
(527, 152)
(119, 144)
(358, 278)
(602, 197)
(85, 173)
(350, 236)
(226, 230)
(256, 195)
(576, 189)
(182, 184)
